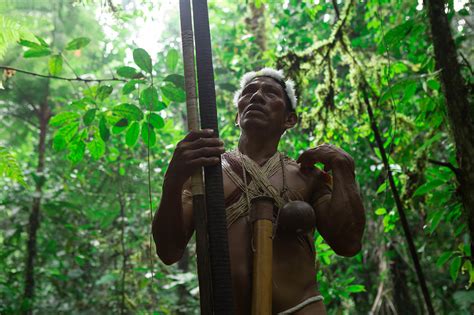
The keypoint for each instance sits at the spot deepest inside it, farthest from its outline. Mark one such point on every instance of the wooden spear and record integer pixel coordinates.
(197, 182)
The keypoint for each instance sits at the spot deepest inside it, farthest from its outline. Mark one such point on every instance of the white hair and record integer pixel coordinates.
(278, 75)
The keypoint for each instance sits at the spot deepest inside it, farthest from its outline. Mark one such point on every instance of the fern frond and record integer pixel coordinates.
(10, 168)
(11, 32)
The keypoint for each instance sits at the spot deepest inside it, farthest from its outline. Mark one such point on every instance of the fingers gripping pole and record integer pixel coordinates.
(197, 182)
(217, 225)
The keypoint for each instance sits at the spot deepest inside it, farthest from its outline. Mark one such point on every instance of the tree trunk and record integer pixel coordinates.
(460, 112)
(44, 114)
(256, 24)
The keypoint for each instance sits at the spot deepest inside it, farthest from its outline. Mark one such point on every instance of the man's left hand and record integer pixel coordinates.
(331, 156)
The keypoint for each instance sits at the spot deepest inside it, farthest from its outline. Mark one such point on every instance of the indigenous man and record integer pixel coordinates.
(266, 106)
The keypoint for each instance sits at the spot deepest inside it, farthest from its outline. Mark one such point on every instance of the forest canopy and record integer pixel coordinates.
(92, 104)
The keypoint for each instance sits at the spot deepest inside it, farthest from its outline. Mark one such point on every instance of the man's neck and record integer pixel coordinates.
(258, 147)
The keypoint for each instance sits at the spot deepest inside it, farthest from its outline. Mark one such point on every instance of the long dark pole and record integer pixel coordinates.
(398, 203)
(197, 180)
(217, 227)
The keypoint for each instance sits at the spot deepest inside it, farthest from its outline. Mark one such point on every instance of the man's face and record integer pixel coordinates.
(262, 105)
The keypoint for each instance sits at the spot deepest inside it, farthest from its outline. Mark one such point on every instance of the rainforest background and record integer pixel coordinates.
(78, 180)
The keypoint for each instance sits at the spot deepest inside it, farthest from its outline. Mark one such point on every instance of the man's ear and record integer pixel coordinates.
(236, 120)
(291, 120)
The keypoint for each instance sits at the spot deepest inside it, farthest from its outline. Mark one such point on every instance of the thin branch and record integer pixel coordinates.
(455, 170)
(62, 78)
(336, 9)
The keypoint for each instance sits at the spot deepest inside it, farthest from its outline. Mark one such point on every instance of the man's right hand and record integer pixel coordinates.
(199, 148)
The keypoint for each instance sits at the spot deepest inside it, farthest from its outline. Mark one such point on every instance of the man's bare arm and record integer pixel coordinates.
(173, 222)
(340, 215)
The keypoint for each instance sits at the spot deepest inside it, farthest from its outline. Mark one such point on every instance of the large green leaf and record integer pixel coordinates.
(104, 91)
(55, 64)
(443, 258)
(103, 129)
(132, 134)
(89, 116)
(37, 52)
(129, 111)
(172, 59)
(454, 267)
(128, 72)
(59, 143)
(131, 85)
(156, 120)
(77, 43)
(395, 35)
(176, 79)
(30, 44)
(63, 118)
(96, 148)
(142, 59)
(148, 134)
(149, 98)
(428, 186)
(69, 131)
(76, 151)
(173, 93)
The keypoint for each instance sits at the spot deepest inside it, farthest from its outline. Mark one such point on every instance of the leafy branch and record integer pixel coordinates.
(48, 76)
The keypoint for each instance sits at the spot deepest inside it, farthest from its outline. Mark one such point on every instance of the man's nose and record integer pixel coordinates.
(257, 96)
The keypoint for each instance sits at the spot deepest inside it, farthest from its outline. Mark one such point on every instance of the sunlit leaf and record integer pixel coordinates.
(76, 151)
(129, 111)
(173, 93)
(63, 118)
(128, 72)
(148, 134)
(29, 44)
(104, 91)
(77, 43)
(69, 131)
(172, 59)
(59, 143)
(89, 116)
(103, 129)
(42, 41)
(96, 148)
(132, 134)
(149, 98)
(156, 120)
(142, 59)
(37, 52)
(55, 64)
(176, 79)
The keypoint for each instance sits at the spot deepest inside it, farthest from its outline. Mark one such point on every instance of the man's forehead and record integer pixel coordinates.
(266, 80)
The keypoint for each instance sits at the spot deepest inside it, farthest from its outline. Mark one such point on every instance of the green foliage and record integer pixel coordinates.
(93, 241)
(142, 59)
(77, 43)
(55, 64)
(10, 168)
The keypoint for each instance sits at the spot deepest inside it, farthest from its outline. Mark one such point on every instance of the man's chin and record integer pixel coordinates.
(253, 123)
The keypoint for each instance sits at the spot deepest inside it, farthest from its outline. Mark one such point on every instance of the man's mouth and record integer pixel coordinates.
(255, 107)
